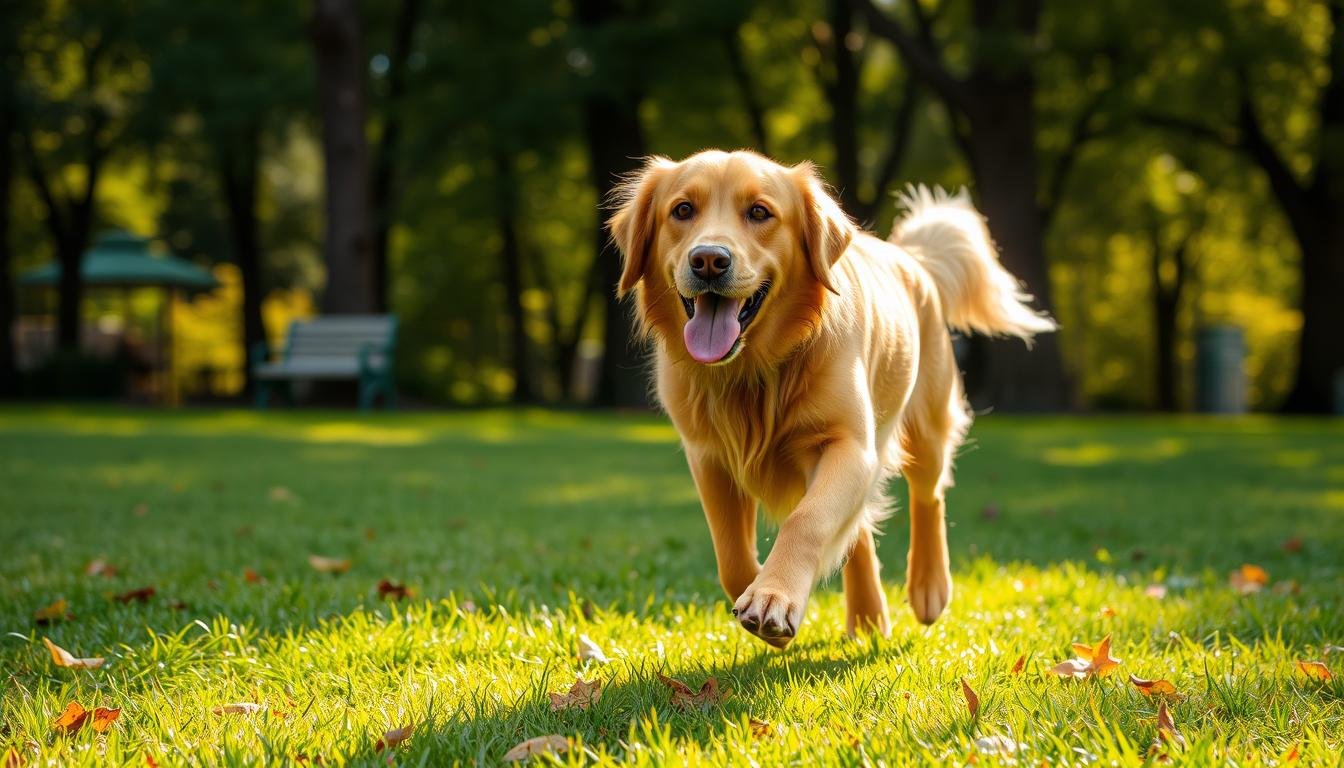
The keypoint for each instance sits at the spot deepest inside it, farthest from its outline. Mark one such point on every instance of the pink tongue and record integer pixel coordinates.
(711, 333)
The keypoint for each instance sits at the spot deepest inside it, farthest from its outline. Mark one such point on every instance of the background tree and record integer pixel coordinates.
(337, 29)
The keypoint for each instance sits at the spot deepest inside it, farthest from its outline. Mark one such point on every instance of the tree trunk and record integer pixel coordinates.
(337, 32)
(842, 93)
(385, 166)
(511, 264)
(751, 102)
(615, 145)
(1013, 377)
(239, 178)
(9, 375)
(1166, 309)
(1320, 235)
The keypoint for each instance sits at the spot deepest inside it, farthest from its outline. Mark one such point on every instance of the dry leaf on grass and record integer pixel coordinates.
(252, 577)
(1291, 756)
(541, 745)
(1153, 687)
(1092, 660)
(72, 719)
(11, 759)
(1248, 579)
(1292, 544)
(141, 595)
(591, 651)
(238, 708)
(760, 728)
(1166, 727)
(103, 718)
(52, 613)
(1020, 664)
(100, 567)
(328, 564)
(581, 695)
(390, 590)
(63, 658)
(684, 698)
(281, 493)
(972, 701)
(394, 737)
(996, 745)
(1314, 670)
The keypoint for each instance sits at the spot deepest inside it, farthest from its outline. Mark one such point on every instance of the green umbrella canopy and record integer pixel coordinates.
(123, 259)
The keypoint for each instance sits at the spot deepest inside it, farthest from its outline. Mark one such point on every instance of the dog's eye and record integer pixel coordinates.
(758, 212)
(683, 211)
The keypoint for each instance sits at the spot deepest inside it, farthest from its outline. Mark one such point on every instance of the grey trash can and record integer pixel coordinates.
(1339, 392)
(1220, 364)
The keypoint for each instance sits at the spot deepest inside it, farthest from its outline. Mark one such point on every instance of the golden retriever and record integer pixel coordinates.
(804, 362)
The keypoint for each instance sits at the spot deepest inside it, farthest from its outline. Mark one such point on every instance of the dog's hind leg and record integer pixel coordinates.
(937, 420)
(865, 599)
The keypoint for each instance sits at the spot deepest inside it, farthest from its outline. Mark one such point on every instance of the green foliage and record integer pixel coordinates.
(520, 531)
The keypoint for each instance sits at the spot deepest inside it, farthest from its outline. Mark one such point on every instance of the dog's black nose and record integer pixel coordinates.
(710, 261)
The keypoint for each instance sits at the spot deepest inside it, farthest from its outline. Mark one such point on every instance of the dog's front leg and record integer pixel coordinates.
(731, 515)
(812, 539)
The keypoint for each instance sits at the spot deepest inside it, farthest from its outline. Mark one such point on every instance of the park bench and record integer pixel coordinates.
(338, 347)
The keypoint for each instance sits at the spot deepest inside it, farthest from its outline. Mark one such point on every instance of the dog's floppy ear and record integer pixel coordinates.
(634, 225)
(827, 231)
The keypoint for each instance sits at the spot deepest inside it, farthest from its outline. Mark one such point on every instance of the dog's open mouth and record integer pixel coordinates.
(715, 323)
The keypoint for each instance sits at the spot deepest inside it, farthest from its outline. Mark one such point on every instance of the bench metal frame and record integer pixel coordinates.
(374, 369)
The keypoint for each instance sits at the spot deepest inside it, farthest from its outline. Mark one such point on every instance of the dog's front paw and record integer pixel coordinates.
(929, 586)
(770, 613)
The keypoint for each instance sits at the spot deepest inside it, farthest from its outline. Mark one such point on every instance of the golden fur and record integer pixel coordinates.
(844, 377)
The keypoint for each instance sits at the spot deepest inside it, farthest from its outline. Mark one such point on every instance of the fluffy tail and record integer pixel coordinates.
(949, 238)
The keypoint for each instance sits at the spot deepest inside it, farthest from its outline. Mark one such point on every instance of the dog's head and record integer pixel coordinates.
(730, 254)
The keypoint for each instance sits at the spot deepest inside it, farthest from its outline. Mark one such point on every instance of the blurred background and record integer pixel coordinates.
(181, 181)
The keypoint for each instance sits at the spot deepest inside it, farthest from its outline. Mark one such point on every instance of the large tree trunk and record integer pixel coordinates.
(239, 177)
(337, 32)
(385, 166)
(1317, 221)
(511, 265)
(8, 370)
(842, 93)
(1166, 311)
(1012, 376)
(615, 145)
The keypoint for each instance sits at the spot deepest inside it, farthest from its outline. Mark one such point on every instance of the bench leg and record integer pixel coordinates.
(263, 394)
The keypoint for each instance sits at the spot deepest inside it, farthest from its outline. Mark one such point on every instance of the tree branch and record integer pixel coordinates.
(923, 60)
(1080, 133)
(755, 112)
(38, 175)
(896, 150)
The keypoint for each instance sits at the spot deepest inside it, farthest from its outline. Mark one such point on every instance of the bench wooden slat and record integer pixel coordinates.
(332, 348)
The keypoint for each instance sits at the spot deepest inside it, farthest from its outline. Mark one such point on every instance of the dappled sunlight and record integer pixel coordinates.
(614, 487)
(1096, 454)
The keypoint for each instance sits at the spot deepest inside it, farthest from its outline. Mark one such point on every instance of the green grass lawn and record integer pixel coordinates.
(519, 532)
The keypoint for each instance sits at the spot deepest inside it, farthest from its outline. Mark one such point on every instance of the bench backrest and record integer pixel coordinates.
(339, 336)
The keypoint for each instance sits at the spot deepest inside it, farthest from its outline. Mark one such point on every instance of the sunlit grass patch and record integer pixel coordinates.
(520, 532)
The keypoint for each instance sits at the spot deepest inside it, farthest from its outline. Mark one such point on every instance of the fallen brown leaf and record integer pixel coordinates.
(328, 564)
(1091, 660)
(140, 510)
(1166, 727)
(63, 658)
(581, 695)
(1314, 670)
(553, 744)
(103, 718)
(72, 719)
(141, 595)
(1291, 755)
(150, 762)
(1020, 664)
(238, 708)
(684, 698)
(252, 577)
(281, 493)
(394, 737)
(394, 591)
(1153, 687)
(1292, 544)
(100, 567)
(1107, 611)
(760, 729)
(972, 700)
(1248, 579)
(11, 759)
(52, 613)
